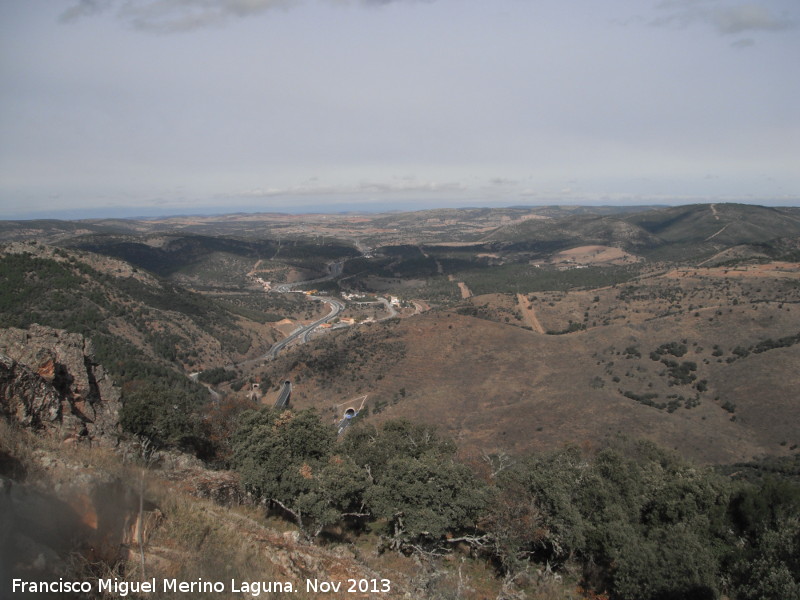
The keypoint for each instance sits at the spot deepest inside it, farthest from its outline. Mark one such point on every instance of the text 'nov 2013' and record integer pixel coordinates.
(122, 588)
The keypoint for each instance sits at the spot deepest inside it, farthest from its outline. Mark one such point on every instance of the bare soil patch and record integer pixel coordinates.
(526, 308)
(285, 326)
(595, 255)
(781, 270)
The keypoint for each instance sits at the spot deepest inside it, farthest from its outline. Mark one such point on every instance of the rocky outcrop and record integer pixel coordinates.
(27, 397)
(49, 380)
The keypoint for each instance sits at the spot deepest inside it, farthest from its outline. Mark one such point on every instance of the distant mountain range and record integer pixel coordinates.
(681, 232)
(671, 232)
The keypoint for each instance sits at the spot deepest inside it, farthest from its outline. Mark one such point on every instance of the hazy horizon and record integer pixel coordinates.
(134, 213)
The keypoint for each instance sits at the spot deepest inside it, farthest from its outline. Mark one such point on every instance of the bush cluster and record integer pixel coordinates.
(632, 521)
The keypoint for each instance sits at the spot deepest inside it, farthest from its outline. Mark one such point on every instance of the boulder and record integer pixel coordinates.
(50, 380)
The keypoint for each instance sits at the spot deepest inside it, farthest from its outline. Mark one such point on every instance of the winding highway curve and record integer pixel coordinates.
(337, 306)
(334, 270)
(304, 331)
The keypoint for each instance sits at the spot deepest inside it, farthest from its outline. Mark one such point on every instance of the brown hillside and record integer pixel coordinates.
(497, 386)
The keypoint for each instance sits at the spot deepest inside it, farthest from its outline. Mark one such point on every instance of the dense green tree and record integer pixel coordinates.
(671, 563)
(287, 458)
(416, 483)
(767, 516)
(217, 375)
(426, 497)
(641, 523)
(553, 482)
(166, 415)
(374, 448)
(770, 567)
(638, 522)
(756, 508)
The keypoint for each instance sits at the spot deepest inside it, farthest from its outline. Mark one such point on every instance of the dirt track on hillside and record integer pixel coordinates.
(529, 314)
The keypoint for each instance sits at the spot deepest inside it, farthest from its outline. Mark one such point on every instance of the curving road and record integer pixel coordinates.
(304, 331)
(334, 270)
(337, 306)
(389, 308)
(215, 396)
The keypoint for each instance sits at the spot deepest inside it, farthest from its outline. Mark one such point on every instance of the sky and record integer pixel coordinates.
(154, 107)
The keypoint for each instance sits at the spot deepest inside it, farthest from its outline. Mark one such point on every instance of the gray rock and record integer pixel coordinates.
(50, 380)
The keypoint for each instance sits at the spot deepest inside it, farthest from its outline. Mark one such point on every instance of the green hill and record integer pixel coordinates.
(726, 224)
(168, 254)
(675, 233)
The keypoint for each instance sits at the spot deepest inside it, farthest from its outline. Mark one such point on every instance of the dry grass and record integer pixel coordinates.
(186, 538)
(494, 386)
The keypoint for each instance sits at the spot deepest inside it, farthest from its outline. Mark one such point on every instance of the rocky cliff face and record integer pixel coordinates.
(49, 380)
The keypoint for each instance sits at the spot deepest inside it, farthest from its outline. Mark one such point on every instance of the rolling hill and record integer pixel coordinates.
(532, 356)
(129, 313)
(726, 394)
(676, 233)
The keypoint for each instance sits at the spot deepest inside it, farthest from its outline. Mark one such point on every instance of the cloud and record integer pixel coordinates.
(747, 17)
(410, 187)
(169, 16)
(743, 43)
(725, 18)
(84, 8)
(502, 181)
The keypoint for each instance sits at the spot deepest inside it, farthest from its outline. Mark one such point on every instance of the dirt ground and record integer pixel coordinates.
(529, 314)
(595, 255)
(782, 270)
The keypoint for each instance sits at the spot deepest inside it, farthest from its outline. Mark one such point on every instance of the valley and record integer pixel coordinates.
(645, 346)
(539, 326)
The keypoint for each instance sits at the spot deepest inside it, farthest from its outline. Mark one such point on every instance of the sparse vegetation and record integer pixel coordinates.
(684, 315)
(217, 375)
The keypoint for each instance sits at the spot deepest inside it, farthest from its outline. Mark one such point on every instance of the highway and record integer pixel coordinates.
(304, 331)
(334, 270)
(286, 392)
(337, 306)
